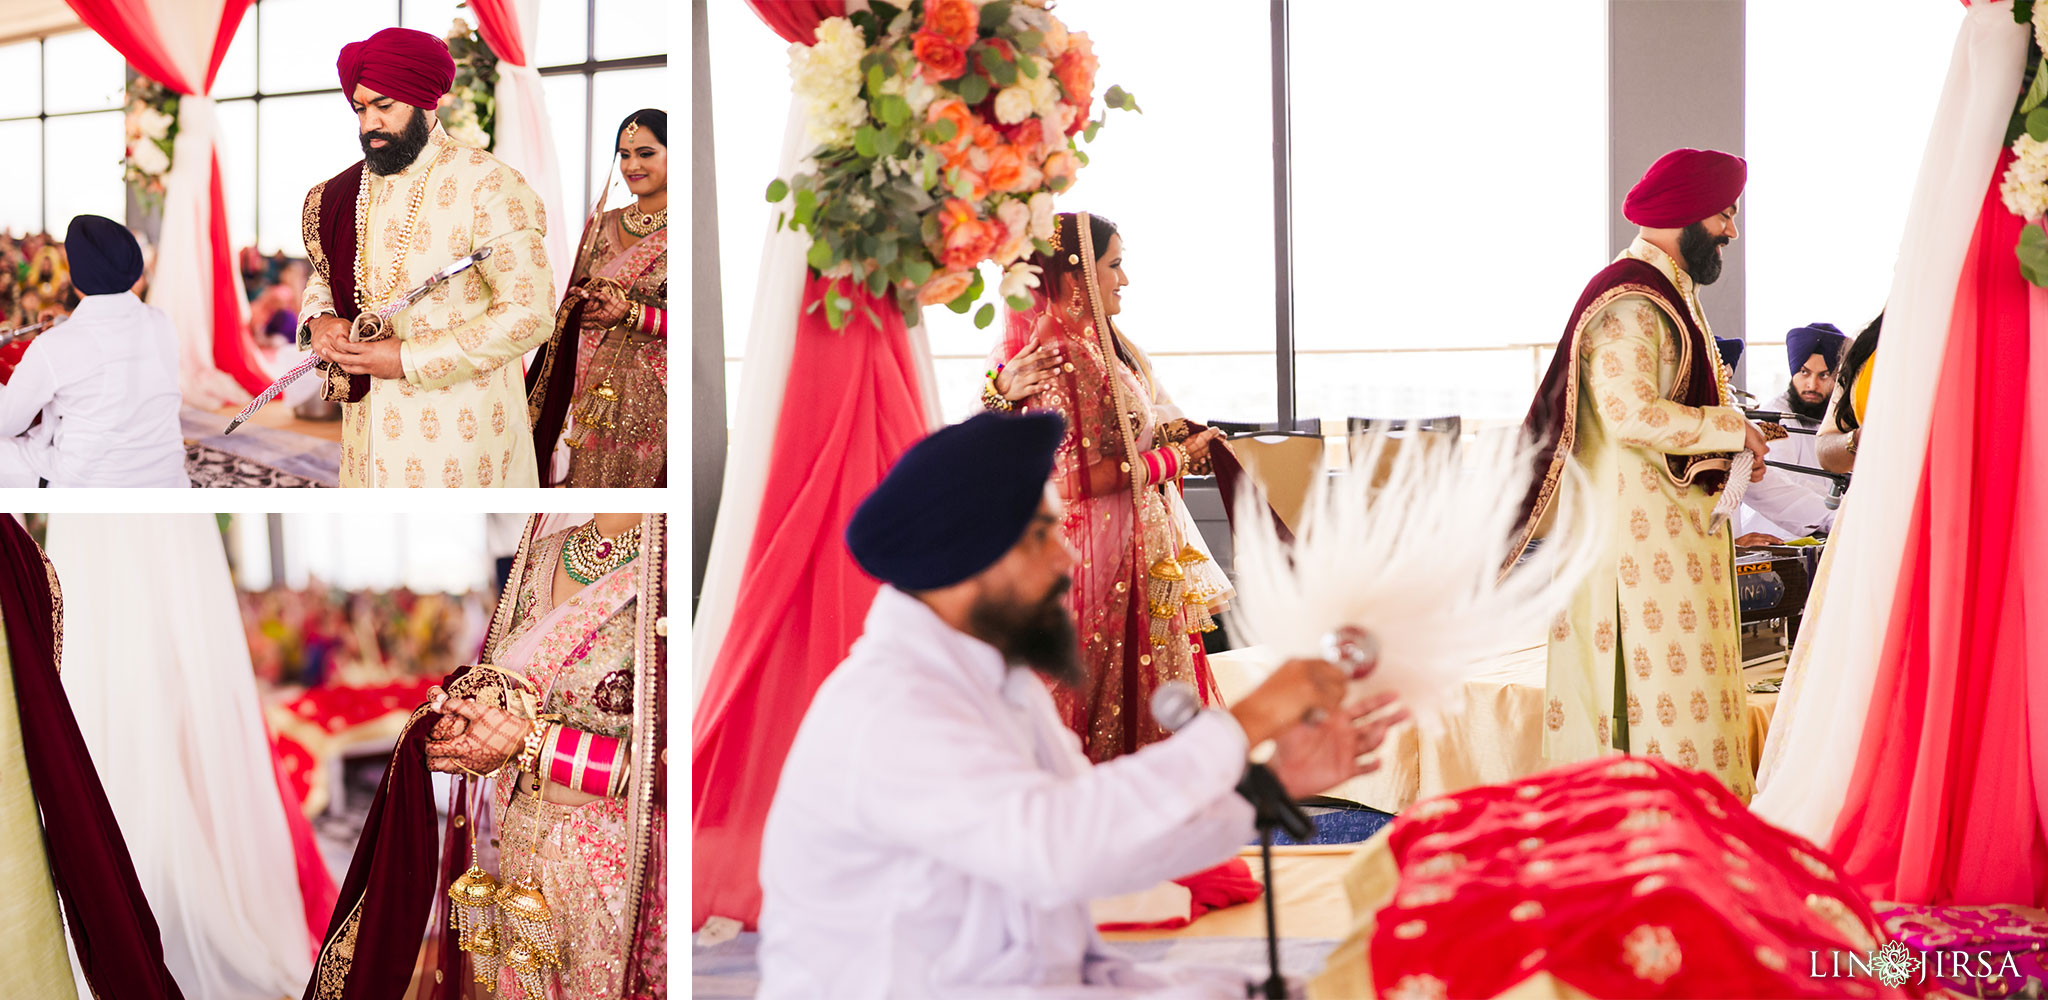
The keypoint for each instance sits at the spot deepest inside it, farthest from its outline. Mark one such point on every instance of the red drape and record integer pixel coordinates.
(131, 27)
(1942, 807)
(500, 29)
(797, 20)
(853, 404)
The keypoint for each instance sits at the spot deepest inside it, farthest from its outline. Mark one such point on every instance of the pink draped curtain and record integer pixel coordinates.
(135, 28)
(852, 403)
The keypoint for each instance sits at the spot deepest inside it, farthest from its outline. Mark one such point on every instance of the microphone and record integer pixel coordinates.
(1175, 704)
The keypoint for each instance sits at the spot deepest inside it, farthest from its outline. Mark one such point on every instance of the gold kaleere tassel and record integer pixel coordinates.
(484, 950)
(533, 946)
(1168, 581)
(595, 411)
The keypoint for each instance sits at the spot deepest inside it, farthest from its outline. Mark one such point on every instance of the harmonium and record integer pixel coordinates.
(1771, 584)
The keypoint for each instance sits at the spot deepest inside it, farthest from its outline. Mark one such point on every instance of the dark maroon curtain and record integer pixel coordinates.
(111, 924)
(797, 20)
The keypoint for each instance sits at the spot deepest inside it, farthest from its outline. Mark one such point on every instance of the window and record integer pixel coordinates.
(1439, 231)
(284, 125)
(425, 553)
(61, 116)
(1834, 152)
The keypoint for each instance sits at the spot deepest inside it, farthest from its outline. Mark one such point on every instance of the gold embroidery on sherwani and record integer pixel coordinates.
(1671, 663)
(457, 349)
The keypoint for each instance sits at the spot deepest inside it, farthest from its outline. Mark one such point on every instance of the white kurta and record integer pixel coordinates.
(106, 382)
(938, 833)
(458, 416)
(1784, 503)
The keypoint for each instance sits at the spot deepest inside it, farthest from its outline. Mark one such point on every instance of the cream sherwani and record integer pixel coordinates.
(458, 417)
(1655, 638)
(937, 831)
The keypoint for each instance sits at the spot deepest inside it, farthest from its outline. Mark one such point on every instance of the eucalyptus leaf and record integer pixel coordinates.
(1001, 70)
(1018, 303)
(974, 89)
(941, 132)
(984, 316)
(2037, 124)
(876, 78)
(961, 189)
(2022, 11)
(835, 312)
(1044, 247)
(2032, 251)
(892, 110)
(1030, 41)
(864, 141)
(820, 256)
(994, 15)
(806, 205)
(963, 303)
(1081, 156)
(908, 303)
(777, 190)
(2039, 91)
(917, 270)
(886, 12)
(1089, 132)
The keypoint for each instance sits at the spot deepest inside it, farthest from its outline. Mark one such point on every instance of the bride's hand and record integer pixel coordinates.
(1029, 369)
(1198, 445)
(489, 738)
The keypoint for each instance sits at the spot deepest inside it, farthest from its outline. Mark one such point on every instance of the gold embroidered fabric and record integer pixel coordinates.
(634, 451)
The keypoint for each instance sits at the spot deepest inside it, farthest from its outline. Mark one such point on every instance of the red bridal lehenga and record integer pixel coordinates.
(558, 897)
(1144, 586)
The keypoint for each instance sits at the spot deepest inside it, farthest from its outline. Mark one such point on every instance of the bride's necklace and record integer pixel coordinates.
(640, 223)
(587, 555)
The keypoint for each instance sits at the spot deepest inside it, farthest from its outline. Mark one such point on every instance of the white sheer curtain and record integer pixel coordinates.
(1811, 752)
(156, 667)
(525, 139)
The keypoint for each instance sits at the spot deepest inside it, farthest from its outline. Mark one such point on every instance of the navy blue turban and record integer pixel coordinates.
(105, 259)
(1814, 338)
(1731, 349)
(956, 502)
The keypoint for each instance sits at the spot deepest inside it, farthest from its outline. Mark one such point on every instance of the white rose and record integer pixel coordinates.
(920, 94)
(155, 124)
(150, 159)
(2040, 20)
(2026, 199)
(1019, 279)
(1055, 37)
(1045, 92)
(1041, 216)
(1013, 105)
(826, 79)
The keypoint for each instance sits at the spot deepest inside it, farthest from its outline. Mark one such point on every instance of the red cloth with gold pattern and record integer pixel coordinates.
(1624, 877)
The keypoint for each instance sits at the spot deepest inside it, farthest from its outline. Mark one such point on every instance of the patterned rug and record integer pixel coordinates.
(254, 456)
(209, 466)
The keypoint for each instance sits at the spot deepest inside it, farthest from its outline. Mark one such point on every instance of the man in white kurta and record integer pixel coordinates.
(1786, 504)
(105, 380)
(447, 395)
(937, 831)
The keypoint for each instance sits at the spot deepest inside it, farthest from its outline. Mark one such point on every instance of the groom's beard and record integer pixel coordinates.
(1701, 252)
(1041, 635)
(398, 151)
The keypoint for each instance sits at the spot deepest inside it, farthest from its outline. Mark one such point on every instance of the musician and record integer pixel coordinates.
(1786, 504)
(445, 401)
(105, 380)
(937, 831)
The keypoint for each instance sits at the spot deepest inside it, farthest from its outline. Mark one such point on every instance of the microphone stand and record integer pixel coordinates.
(1272, 809)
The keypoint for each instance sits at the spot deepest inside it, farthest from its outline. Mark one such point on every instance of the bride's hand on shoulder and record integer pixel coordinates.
(1031, 367)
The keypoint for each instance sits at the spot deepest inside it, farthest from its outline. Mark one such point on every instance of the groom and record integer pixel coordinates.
(442, 402)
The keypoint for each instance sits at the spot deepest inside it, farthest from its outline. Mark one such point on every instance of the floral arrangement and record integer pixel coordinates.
(943, 130)
(469, 114)
(152, 131)
(2024, 188)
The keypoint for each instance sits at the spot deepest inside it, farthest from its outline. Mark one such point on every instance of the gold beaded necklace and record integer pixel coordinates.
(412, 215)
(640, 223)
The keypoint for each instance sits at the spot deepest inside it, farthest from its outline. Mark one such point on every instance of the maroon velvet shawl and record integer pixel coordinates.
(111, 924)
(330, 230)
(1552, 421)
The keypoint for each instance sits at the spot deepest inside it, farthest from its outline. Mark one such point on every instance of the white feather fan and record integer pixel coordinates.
(1415, 562)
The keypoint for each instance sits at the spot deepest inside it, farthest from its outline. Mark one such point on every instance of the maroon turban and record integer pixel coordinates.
(1685, 186)
(411, 66)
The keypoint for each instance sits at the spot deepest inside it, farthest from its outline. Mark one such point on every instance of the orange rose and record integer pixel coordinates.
(1060, 166)
(986, 137)
(1027, 136)
(977, 184)
(1005, 170)
(1075, 69)
(955, 20)
(954, 110)
(942, 59)
(944, 288)
(966, 236)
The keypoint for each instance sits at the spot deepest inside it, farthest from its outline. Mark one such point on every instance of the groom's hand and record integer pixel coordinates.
(377, 359)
